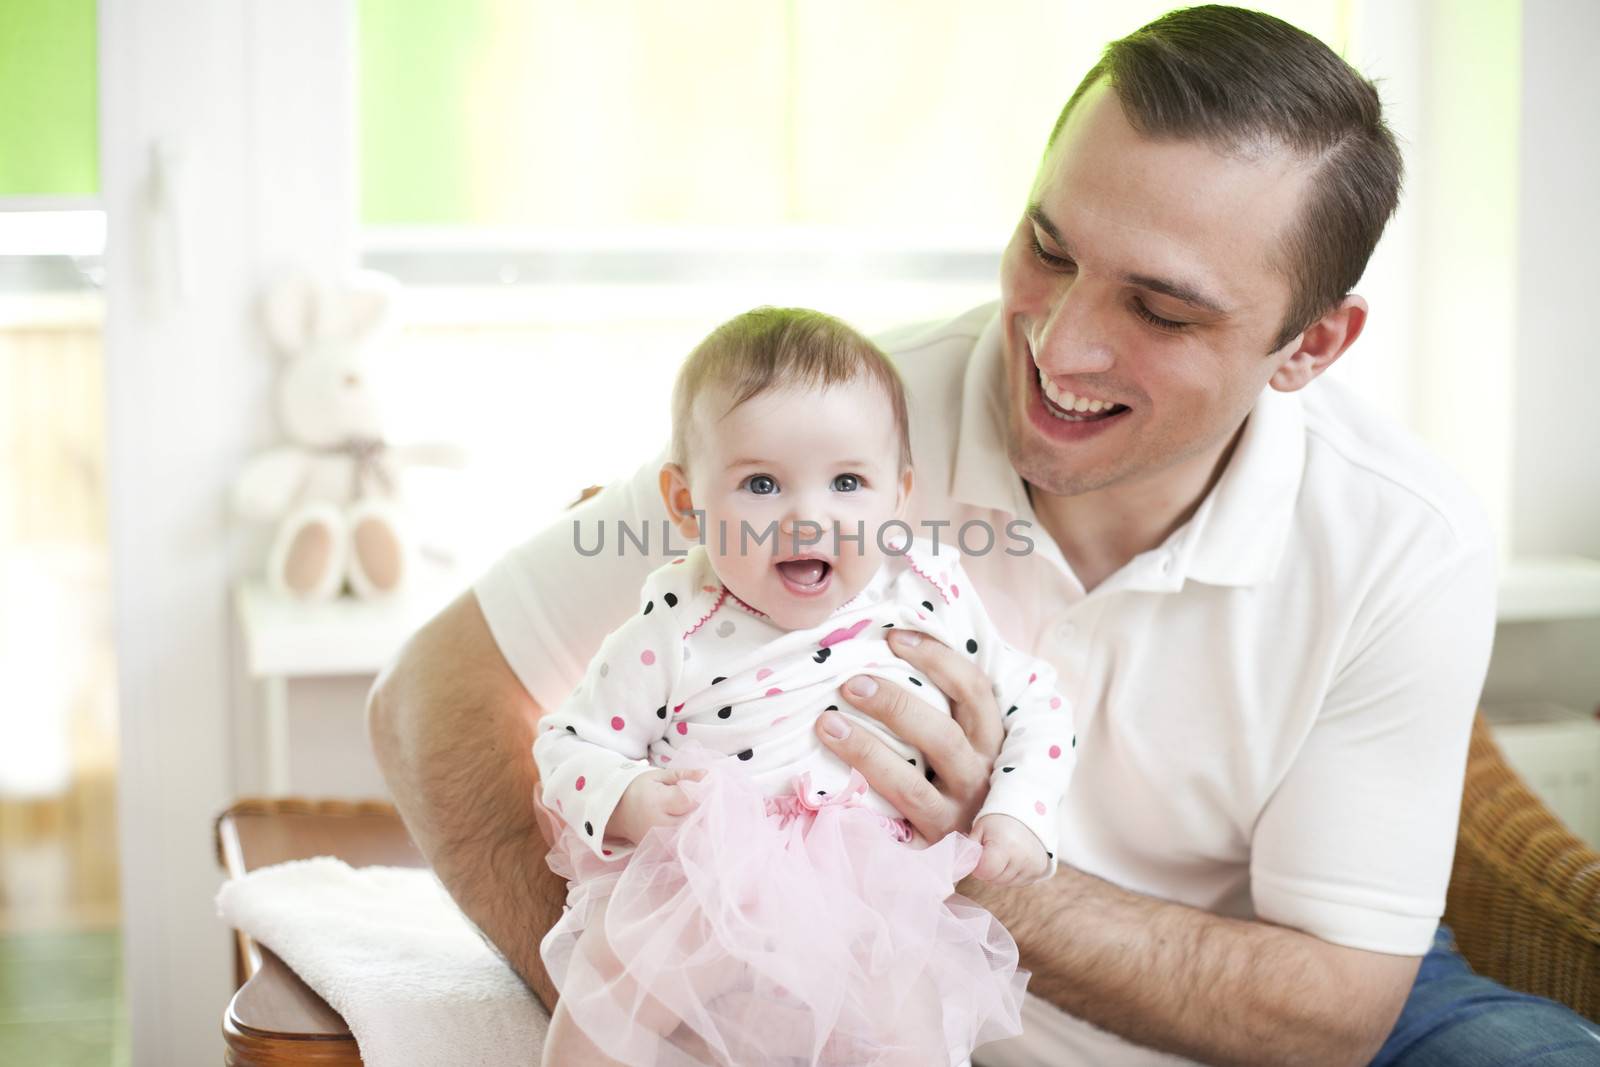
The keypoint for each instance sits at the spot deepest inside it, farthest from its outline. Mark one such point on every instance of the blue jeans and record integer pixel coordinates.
(1455, 1018)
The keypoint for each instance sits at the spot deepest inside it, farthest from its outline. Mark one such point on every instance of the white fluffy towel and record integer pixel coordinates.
(391, 952)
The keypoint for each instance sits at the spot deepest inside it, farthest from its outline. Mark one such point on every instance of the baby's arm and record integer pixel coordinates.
(1030, 774)
(1018, 824)
(593, 748)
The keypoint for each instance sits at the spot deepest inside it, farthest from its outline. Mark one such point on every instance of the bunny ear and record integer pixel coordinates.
(293, 314)
(303, 311)
(366, 302)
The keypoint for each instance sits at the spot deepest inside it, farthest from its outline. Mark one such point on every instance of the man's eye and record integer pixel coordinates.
(846, 483)
(1053, 262)
(761, 484)
(1156, 320)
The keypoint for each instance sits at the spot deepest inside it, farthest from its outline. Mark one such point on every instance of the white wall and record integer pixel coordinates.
(1556, 392)
(252, 101)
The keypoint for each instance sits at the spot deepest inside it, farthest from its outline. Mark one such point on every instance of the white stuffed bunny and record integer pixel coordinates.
(334, 491)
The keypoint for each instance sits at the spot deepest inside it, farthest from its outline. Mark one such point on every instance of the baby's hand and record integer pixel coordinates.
(1012, 855)
(653, 799)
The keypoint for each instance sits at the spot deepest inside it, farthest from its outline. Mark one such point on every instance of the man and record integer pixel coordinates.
(1272, 613)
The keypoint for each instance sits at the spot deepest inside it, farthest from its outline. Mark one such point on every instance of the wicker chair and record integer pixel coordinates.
(1524, 896)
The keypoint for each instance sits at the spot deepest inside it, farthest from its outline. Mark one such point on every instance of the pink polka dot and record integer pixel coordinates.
(709, 588)
(1055, 702)
(559, 808)
(665, 759)
(647, 657)
(605, 852)
(1055, 751)
(677, 708)
(1038, 806)
(921, 616)
(1032, 678)
(955, 590)
(677, 561)
(579, 784)
(763, 674)
(617, 723)
(683, 727)
(774, 691)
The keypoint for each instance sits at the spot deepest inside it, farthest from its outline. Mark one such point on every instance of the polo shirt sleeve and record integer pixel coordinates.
(1355, 844)
(550, 605)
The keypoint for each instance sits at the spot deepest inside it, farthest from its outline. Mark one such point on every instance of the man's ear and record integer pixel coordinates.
(1324, 341)
(680, 505)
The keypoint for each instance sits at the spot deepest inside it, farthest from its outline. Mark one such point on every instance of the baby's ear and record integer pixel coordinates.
(680, 505)
(905, 494)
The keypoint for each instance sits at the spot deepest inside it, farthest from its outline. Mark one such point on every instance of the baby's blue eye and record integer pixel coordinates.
(847, 483)
(761, 484)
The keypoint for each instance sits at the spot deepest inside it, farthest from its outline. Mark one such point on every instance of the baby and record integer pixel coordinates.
(737, 894)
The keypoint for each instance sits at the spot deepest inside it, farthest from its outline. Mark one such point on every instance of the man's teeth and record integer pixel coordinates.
(1069, 402)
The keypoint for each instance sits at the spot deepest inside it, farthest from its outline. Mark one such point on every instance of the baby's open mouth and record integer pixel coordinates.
(807, 574)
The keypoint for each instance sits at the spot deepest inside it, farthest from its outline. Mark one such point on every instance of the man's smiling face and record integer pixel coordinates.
(1141, 289)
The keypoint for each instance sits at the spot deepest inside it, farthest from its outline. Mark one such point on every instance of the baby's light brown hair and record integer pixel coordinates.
(771, 348)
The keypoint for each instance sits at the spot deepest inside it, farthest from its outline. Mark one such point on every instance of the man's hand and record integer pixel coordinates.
(959, 747)
(653, 799)
(1012, 855)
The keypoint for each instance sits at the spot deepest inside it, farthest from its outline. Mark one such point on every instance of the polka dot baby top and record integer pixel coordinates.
(696, 665)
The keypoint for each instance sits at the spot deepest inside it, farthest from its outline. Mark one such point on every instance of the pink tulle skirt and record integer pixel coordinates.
(781, 930)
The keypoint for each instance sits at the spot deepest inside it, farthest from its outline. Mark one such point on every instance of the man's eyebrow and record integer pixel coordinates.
(1189, 294)
(1177, 290)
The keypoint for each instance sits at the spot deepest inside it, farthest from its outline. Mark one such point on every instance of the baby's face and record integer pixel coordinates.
(779, 478)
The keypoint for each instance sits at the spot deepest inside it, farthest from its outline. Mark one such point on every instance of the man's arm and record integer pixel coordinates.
(453, 729)
(1184, 980)
(1159, 974)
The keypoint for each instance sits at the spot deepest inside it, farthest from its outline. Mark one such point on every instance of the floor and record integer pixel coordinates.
(61, 983)
(61, 1002)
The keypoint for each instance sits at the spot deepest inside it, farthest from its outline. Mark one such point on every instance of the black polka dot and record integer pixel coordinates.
(1011, 709)
(1074, 740)
(1008, 770)
(916, 681)
(1052, 855)
(747, 753)
(912, 760)
(719, 678)
(822, 654)
(822, 792)
(928, 605)
(972, 646)
(649, 606)
(887, 625)
(588, 828)
(571, 730)
(725, 711)
(671, 599)
(831, 707)
(661, 712)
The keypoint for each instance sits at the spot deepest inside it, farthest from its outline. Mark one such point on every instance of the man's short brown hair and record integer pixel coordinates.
(771, 348)
(1243, 82)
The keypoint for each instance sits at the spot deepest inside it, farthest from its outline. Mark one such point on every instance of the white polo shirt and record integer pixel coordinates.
(1273, 706)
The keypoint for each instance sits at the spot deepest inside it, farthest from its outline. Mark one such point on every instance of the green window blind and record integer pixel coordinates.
(926, 115)
(49, 118)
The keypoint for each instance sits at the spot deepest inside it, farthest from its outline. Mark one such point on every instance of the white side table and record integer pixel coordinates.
(283, 639)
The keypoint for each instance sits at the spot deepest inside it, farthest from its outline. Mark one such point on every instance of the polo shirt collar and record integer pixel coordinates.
(1238, 534)
(1235, 538)
(982, 476)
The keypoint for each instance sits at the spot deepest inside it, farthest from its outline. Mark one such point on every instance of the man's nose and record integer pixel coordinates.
(1075, 337)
